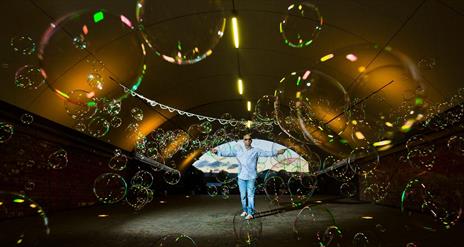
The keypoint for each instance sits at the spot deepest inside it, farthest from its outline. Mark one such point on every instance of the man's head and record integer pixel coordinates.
(247, 140)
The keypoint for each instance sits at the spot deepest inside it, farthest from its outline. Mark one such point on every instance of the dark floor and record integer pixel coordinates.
(210, 222)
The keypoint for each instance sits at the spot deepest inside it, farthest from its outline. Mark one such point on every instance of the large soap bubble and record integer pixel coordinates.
(92, 51)
(387, 91)
(311, 106)
(301, 25)
(181, 35)
(24, 222)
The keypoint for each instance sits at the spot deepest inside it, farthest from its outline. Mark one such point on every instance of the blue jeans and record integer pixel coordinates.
(247, 191)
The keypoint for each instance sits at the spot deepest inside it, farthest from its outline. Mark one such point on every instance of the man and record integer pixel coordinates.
(248, 159)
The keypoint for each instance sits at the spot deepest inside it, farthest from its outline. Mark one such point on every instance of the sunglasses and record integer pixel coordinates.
(247, 139)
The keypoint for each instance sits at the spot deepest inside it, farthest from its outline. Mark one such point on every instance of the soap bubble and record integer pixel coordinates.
(301, 25)
(110, 188)
(29, 76)
(74, 47)
(24, 221)
(164, 28)
(23, 45)
(6, 131)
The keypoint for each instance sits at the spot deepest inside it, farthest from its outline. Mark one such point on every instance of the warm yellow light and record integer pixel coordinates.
(33, 205)
(240, 86)
(389, 124)
(381, 143)
(327, 57)
(102, 215)
(235, 30)
(367, 217)
(298, 94)
(385, 147)
(361, 69)
(407, 125)
(248, 105)
(248, 124)
(359, 135)
(188, 160)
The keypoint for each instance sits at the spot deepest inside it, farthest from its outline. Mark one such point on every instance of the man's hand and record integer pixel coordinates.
(214, 150)
(281, 151)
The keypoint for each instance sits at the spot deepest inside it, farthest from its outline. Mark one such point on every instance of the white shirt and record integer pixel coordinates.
(247, 159)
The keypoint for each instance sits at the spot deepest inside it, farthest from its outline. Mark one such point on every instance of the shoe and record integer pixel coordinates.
(243, 214)
(249, 217)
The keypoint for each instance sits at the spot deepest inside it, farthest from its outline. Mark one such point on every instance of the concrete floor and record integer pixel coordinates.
(210, 222)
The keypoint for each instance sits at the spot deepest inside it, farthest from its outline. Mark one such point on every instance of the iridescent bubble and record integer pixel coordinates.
(142, 178)
(364, 159)
(79, 42)
(80, 126)
(312, 220)
(175, 142)
(381, 87)
(422, 156)
(195, 131)
(29, 76)
(174, 240)
(360, 240)
(247, 232)
(80, 104)
(26, 118)
(16, 230)
(298, 192)
(334, 168)
(435, 195)
(157, 134)
(172, 176)
(137, 114)
(348, 189)
(6, 131)
(139, 196)
(224, 177)
(98, 127)
(411, 245)
(275, 187)
(163, 26)
(310, 107)
(23, 45)
(331, 237)
(206, 127)
(95, 80)
(98, 38)
(301, 24)
(110, 188)
(376, 191)
(113, 107)
(118, 162)
(58, 159)
(116, 122)
(264, 109)
(225, 192)
(212, 190)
